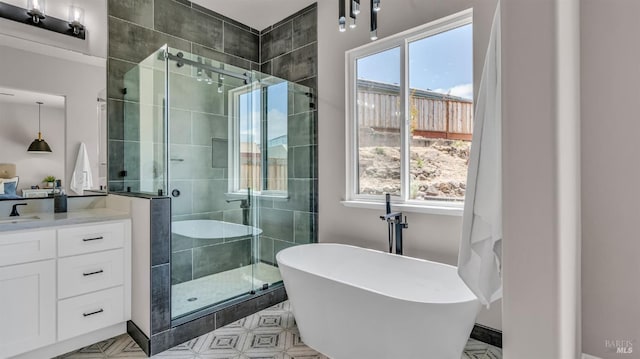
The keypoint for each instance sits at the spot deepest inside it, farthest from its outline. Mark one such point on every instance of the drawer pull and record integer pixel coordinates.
(93, 313)
(92, 239)
(93, 273)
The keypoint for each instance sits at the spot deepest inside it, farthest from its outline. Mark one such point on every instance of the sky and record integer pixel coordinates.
(277, 106)
(441, 63)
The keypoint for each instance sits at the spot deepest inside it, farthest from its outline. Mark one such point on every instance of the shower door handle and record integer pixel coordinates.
(175, 193)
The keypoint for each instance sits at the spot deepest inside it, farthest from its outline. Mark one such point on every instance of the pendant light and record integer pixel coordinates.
(39, 145)
(354, 11)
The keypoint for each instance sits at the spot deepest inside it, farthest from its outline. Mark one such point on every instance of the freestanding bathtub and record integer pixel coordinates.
(350, 302)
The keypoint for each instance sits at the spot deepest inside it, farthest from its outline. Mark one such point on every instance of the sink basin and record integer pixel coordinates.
(7, 220)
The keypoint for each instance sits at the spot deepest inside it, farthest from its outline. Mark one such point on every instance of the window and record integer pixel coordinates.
(410, 115)
(258, 136)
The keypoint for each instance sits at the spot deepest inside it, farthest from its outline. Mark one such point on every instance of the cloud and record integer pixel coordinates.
(464, 91)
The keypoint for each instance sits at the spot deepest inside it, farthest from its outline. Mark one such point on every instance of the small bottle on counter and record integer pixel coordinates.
(59, 199)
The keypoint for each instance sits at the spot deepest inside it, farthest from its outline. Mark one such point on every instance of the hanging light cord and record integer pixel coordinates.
(39, 131)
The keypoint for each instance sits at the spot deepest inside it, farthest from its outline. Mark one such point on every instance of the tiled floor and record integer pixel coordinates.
(270, 334)
(202, 292)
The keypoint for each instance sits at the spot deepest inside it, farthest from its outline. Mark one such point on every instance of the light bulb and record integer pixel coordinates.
(376, 5)
(342, 24)
(353, 24)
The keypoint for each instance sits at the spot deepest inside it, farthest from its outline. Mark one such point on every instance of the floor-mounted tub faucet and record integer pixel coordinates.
(395, 226)
(245, 204)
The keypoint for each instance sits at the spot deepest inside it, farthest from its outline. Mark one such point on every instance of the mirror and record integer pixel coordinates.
(23, 173)
(68, 75)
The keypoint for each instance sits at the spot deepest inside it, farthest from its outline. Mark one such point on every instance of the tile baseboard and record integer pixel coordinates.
(487, 335)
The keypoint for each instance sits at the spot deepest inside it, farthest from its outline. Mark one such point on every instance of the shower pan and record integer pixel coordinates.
(221, 142)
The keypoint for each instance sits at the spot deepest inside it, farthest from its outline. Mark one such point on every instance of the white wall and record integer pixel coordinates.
(433, 237)
(541, 216)
(610, 175)
(19, 127)
(79, 82)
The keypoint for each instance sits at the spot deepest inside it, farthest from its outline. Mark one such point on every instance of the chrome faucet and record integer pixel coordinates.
(14, 209)
(395, 224)
(245, 204)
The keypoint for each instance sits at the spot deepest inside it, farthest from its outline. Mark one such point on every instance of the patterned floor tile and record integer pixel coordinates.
(269, 334)
(263, 340)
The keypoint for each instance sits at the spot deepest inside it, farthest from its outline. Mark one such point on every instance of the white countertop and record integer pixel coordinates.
(63, 219)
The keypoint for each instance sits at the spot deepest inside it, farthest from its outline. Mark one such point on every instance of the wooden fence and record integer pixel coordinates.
(433, 115)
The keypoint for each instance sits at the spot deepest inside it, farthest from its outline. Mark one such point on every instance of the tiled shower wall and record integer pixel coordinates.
(139, 27)
(287, 49)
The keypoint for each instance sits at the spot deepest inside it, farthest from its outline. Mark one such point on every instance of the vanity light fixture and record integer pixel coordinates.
(36, 15)
(76, 19)
(354, 10)
(39, 145)
(36, 10)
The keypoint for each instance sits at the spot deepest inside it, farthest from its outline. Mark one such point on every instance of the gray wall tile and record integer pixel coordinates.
(160, 231)
(305, 28)
(115, 78)
(280, 245)
(242, 43)
(115, 114)
(135, 43)
(305, 161)
(277, 223)
(311, 82)
(297, 65)
(305, 224)
(182, 204)
(266, 250)
(138, 11)
(222, 257)
(207, 126)
(220, 150)
(180, 126)
(276, 42)
(302, 129)
(181, 267)
(303, 195)
(221, 56)
(265, 68)
(184, 22)
(160, 298)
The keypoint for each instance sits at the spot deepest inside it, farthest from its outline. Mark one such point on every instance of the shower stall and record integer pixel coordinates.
(235, 151)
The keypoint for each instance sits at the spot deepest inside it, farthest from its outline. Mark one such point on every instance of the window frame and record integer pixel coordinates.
(234, 160)
(401, 40)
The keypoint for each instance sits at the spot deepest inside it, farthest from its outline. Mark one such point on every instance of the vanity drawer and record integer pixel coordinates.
(87, 239)
(90, 272)
(84, 314)
(28, 246)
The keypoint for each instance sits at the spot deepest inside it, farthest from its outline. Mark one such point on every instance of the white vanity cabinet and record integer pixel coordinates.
(27, 291)
(58, 285)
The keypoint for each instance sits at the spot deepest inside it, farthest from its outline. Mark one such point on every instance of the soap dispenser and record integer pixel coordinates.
(59, 199)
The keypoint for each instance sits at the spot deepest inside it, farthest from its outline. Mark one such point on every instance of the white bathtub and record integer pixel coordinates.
(350, 302)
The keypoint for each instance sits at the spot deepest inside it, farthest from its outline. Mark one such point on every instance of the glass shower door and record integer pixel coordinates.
(213, 223)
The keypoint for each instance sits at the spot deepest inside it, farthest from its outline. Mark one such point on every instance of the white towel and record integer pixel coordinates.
(82, 178)
(480, 257)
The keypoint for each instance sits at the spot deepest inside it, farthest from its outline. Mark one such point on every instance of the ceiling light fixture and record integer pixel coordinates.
(354, 10)
(39, 145)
